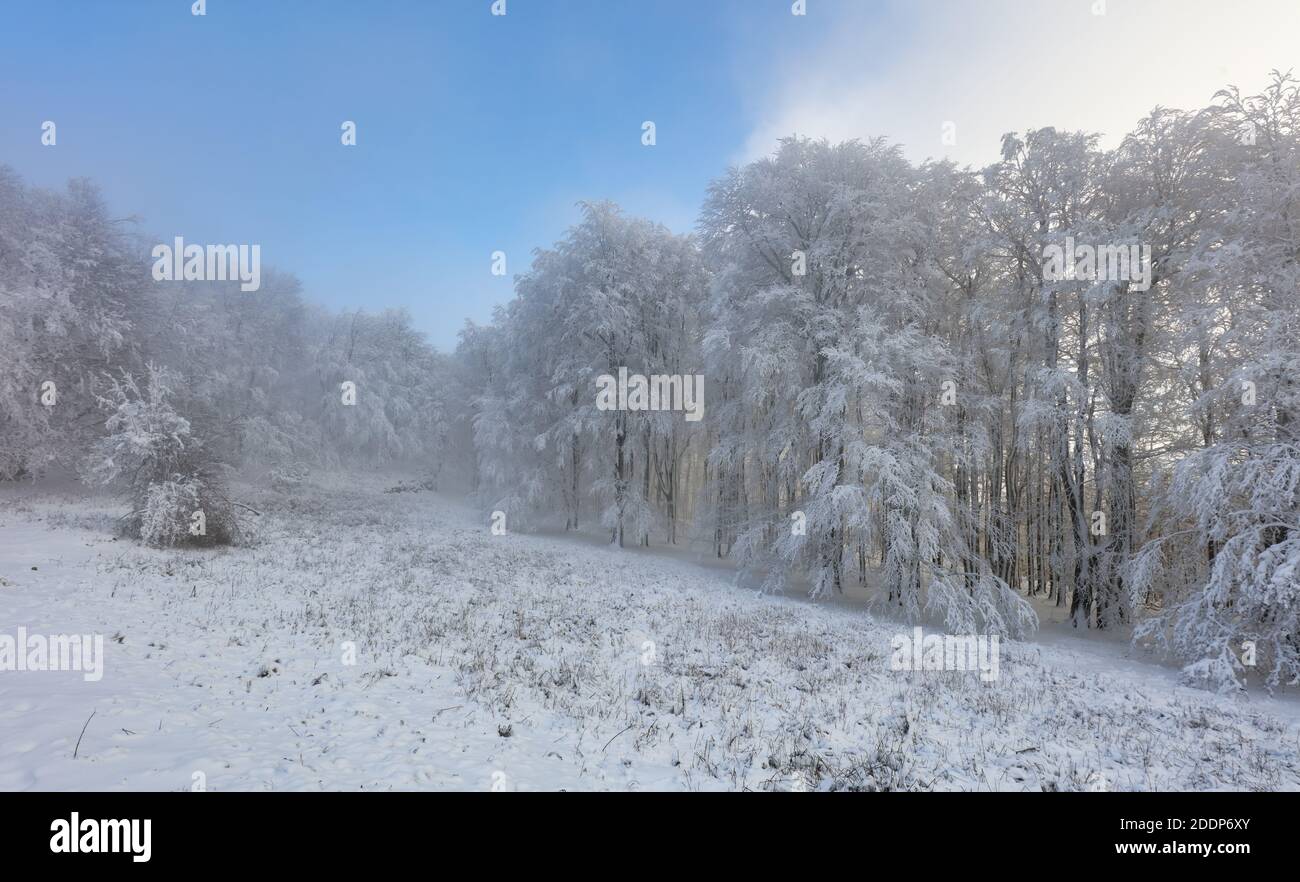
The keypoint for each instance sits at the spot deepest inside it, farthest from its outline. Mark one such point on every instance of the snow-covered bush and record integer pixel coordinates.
(168, 509)
(176, 492)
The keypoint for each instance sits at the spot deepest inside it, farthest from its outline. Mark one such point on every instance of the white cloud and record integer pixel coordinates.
(992, 66)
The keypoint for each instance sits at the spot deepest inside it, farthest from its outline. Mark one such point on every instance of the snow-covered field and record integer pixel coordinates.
(523, 662)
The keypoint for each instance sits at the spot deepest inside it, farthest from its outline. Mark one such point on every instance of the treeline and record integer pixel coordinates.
(165, 387)
(906, 389)
(904, 385)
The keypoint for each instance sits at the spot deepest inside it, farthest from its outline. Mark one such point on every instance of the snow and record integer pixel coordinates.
(515, 662)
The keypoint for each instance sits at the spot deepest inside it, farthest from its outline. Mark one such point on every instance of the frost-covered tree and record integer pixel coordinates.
(379, 394)
(176, 491)
(1227, 563)
(67, 275)
(615, 293)
(825, 297)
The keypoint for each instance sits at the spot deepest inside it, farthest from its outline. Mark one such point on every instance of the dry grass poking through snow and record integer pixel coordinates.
(540, 643)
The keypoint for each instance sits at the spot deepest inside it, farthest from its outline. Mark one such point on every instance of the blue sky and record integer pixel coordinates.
(479, 133)
(475, 133)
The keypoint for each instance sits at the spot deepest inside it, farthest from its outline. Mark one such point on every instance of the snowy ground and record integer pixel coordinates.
(519, 663)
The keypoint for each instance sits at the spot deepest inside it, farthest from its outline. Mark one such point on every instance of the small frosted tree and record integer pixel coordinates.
(175, 489)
